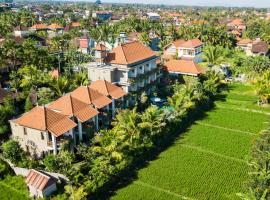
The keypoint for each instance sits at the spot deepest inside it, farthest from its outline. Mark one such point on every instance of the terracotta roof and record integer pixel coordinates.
(108, 89)
(55, 26)
(38, 180)
(237, 22)
(71, 106)
(130, 53)
(45, 119)
(236, 32)
(21, 28)
(183, 67)
(260, 47)
(192, 43)
(54, 73)
(91, 97)
(178, 43)
(100, 47)
(75, 24)
(244, 42)
(39, 26)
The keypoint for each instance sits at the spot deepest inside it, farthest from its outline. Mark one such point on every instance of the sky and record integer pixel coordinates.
(236, 3)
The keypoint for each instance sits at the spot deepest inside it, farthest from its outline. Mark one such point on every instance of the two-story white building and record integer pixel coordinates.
(184, 49)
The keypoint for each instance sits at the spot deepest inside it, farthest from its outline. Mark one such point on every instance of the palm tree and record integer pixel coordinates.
(212, 55)
(12, 52)
(60, 85)
(144, 38)
(263, 88)
(80, 79)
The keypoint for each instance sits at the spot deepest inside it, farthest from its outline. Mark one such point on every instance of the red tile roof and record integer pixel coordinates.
(75, 24)
(244, 42)
(130, 53)
(71, 106)
(54, 73)
(39, 26)
(237, 22)
(183, 67)
(91, 97)
(55, 26)
(108, 89)
(38, 180)
(100, 47)
(45, 119)
(191, 43)
(178, 43)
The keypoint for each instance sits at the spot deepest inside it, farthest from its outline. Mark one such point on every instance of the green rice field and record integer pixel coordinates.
(209, 160)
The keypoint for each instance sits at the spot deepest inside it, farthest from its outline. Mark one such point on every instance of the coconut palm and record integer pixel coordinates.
(60, 85)
(212, 55)
(263, 88)
(144, 38)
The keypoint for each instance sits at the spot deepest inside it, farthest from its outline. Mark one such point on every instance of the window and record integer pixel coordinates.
(42, 135)
(24, 131)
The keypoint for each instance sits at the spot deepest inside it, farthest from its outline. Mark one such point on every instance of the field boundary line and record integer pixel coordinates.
(244, 109)
(225, 128)
(162, 190)
(214, 153)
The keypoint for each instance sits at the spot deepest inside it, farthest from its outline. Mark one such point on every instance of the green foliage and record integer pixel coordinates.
(61, 163)
(259, 180)
(215, 154)
(12, 151)
(5, 169)
(263, 87)
(7, 110)
(213, 55)
(28, 104)
(258, 28)
(14, 187)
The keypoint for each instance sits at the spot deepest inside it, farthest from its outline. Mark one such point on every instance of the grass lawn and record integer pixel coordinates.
(208, 161)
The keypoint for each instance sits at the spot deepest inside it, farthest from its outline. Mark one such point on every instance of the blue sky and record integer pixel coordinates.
(252, 3)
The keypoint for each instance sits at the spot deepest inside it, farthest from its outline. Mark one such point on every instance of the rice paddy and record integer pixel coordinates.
(209, 160)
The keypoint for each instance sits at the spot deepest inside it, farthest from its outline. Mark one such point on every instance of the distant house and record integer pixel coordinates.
(153, 16)
(55, 29)
(39, 27)
(236, 24)
(103, 15)
(85, 44)
(183, 67)
(253, 47)
(182, 49)
(172, 49)
(21, 31)
(40, 185)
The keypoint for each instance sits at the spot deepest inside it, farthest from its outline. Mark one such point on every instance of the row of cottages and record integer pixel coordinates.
(69, 119)
(184, 49)
(133, 66)
(52, 29)
(253, 47)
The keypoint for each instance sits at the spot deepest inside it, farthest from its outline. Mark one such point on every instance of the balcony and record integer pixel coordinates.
(132, 74)
(59, 141)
